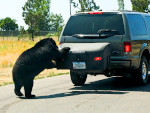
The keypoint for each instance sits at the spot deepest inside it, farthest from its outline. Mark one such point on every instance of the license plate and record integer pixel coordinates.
(79, 65)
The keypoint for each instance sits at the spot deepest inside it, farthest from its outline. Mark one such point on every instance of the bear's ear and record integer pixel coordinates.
(51, 39)
(54, 43)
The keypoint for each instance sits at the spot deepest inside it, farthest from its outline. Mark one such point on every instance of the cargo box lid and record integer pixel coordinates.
(75, 47)
(82, 55)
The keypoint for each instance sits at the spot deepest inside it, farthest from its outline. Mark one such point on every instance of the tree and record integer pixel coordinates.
(23, 33)
(121, 5)
(56, 22)
(36, 16)
(140, 5)
(85, 5)
(8, 24)
(43, 25)
(0, 23)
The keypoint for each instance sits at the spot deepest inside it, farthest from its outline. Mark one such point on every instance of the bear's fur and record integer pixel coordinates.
(34, 60)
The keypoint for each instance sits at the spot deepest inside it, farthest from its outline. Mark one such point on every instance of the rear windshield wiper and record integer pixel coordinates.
(107, 32)
(86, 36)
(102, 33)
(91, 36)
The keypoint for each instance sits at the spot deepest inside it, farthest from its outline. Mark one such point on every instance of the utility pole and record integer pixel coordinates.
(70, 6)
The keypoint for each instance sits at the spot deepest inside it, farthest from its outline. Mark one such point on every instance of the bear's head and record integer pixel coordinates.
(62, 54)
(65, 51)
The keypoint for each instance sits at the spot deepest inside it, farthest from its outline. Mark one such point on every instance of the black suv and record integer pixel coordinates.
(110, 43)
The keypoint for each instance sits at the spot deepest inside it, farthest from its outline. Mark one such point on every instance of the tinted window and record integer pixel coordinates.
(137, 24)
(148, 22)
(91, 24)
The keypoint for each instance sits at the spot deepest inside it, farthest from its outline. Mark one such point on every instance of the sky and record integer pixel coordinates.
(13, 8)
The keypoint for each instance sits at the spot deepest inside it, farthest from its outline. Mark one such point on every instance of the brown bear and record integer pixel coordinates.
(34, 60)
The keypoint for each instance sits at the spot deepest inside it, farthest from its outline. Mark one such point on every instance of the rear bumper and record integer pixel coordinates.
(131, 62)
(113, 65)
(120, 64)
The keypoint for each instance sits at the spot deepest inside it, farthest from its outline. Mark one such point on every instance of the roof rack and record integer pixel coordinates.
(125, 11)
(128, 11)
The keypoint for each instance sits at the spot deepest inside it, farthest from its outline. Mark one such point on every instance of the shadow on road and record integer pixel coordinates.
(114, 85)
(121, 84)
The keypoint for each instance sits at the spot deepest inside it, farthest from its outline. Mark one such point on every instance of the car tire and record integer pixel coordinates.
(78, 79)
(142, 72)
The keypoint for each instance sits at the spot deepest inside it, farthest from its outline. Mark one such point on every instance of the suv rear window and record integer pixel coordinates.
(91, 24)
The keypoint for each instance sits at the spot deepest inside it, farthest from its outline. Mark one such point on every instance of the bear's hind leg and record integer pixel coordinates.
(17, 89)
(28, 89)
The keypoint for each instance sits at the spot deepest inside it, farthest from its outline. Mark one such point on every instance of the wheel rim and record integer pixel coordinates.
(144, 71)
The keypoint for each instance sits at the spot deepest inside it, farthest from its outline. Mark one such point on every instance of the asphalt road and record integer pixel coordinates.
(98, 95)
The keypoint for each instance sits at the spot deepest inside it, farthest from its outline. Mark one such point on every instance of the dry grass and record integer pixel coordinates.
(9, 52)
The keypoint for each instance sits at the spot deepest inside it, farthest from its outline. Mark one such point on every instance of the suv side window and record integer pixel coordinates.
(137, 24)
(147, 18)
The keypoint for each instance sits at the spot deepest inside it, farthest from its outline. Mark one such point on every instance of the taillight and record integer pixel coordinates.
(60, 43)
(95, 13)
(127, 46)
(98, 58)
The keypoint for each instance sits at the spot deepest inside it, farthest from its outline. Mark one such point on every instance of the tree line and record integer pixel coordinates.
(8, 24)
(36, 14)
(137, 5)
(90, 5)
